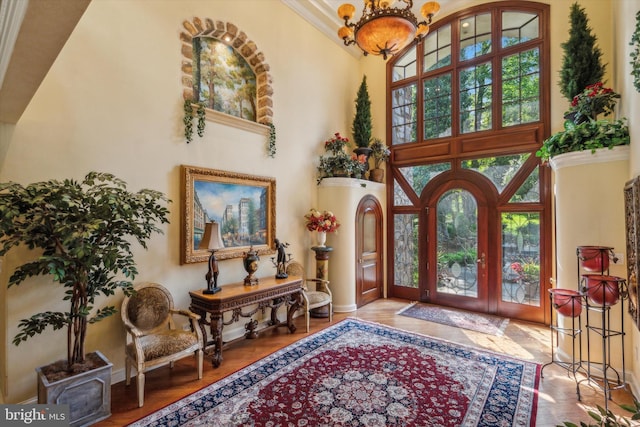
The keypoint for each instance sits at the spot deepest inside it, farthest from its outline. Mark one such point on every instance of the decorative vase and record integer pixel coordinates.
(321, 238)
(594, 258)
(251, 265)
(603, 290)
(376, 175)
(567, 302)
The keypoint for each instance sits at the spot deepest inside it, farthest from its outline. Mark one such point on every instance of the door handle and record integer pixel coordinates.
(482, 261)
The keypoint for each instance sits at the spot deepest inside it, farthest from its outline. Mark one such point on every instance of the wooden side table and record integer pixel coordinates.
(269, 293)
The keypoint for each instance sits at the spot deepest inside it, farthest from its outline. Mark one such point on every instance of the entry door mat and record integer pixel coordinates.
(359, 373)
(478, 322)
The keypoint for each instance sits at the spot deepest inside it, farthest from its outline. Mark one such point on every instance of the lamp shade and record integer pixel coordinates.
(212, 239)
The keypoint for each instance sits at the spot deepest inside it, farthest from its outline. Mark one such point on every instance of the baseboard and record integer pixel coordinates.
(344, 308)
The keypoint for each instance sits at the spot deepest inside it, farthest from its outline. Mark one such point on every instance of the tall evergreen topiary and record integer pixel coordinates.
(581, 64)
(362, 121)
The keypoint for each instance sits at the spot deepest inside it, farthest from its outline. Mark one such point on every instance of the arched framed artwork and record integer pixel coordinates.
(223, 70)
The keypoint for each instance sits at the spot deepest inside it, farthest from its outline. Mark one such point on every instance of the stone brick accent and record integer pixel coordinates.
(230, 34)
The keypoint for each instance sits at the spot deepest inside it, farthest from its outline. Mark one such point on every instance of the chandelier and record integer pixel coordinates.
(382, 29)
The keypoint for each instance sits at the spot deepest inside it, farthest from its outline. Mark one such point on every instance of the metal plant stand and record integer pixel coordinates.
(598, 323)
(569, 304)
(601, 292)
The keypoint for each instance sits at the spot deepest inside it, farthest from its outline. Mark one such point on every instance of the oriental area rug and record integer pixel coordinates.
(478, 322)
(358, 373)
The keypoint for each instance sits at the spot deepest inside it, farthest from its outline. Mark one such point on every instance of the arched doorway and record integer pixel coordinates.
(369, 272)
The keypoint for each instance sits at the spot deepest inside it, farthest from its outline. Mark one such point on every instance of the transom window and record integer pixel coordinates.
(468, 85)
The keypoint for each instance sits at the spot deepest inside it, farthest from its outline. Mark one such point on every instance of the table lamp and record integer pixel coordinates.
(212, 241)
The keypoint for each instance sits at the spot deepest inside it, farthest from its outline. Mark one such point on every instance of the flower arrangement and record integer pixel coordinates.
(336, 144)
(594, 100)
(338, 162)
(321, 221)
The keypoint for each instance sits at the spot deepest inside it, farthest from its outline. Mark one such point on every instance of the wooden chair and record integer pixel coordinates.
(317, 297)
(154, 339)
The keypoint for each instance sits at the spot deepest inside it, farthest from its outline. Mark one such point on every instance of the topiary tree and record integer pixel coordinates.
(581, 65)
(362, 121)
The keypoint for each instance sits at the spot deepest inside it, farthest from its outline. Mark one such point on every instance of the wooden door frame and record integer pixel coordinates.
(486, 198)
(376, 207)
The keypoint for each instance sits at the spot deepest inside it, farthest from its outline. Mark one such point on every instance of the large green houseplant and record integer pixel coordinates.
(80, 232)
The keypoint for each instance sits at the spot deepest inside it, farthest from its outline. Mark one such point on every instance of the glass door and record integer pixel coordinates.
(458, 250)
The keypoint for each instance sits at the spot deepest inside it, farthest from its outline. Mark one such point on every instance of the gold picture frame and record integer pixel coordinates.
(244, 205)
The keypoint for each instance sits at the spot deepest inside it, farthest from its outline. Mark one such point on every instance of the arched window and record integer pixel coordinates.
(476, 71)
(467, 108)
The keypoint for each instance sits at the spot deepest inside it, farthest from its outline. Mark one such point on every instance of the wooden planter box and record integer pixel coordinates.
(88, 394)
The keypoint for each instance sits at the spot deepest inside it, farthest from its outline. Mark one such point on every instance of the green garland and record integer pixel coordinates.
(271, 149)
(201, 113)
(635, 54)
(201, 119)
(188, 120)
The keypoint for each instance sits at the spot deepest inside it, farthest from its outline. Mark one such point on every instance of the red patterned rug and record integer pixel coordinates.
(358, 373)
(460, 319)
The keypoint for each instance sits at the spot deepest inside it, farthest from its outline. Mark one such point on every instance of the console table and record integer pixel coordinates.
(269, 293)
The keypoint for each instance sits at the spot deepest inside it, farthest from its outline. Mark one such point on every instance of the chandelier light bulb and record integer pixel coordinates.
(346, 11)
(430, 9)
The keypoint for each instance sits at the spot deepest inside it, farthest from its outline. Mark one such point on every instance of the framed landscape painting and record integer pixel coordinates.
(243, 205)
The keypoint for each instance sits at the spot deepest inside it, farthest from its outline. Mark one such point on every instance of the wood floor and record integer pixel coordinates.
(557, 400)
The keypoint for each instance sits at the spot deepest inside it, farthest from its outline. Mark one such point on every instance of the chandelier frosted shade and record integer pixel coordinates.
(385, 36)
(382, 29)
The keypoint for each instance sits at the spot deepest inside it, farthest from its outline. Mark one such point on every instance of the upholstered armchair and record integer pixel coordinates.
(152, 337)
(319, 295)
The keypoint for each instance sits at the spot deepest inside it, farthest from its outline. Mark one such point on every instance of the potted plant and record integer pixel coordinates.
(380, 153)
(337, 163)
(81, 233)
(361, 126)
(582, 128)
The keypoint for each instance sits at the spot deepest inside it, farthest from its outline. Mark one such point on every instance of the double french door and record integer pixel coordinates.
(479, 241)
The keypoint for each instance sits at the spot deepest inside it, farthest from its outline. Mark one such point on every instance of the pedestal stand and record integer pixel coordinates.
(322, 272)
(567, 303)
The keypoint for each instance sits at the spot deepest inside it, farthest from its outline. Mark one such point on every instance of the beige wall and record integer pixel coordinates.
(112, 102)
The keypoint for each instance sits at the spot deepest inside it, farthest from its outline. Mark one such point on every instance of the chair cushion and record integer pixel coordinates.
(164, 344)
(316, 297)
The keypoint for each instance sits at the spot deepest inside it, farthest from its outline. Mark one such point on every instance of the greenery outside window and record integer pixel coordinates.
(404, 114)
